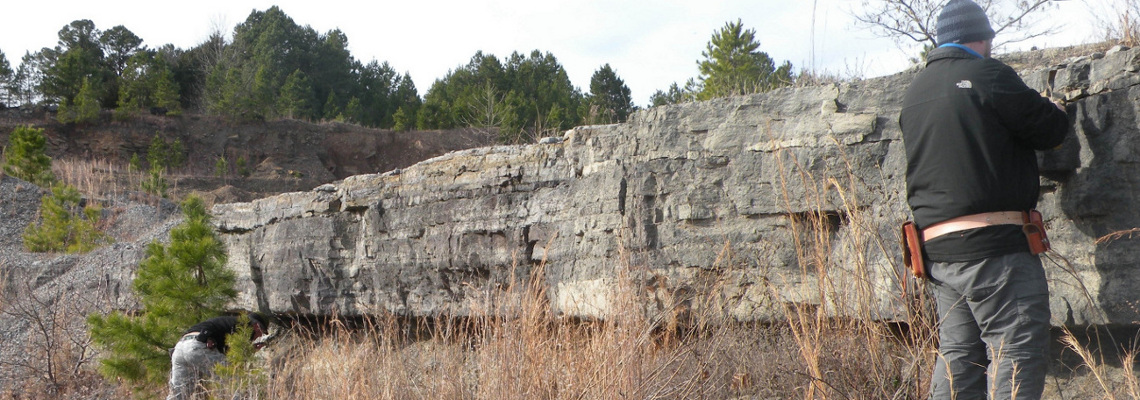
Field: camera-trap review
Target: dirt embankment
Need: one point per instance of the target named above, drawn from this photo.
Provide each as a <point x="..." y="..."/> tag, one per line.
<point x="262" y="158"/>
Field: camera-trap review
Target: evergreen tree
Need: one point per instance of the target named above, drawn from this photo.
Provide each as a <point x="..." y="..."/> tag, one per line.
<point x="403" y="120"/>
<point x="534" y="93"/>
<point x="353" y="111"/>
<point x="76" y="61"/>
<point x="610" y="98"/>
<point x="165" y="91"/>
<point x="407" y="98"/>
<point x="242" y="370"/>
<point x="25" y="156"/>
<point x="221" y="167"/>
<point x="86" y="106"/>
<point x="119" y="44"/>
<point x="296" y="101"/>
<point x="267" y="48"/>
<point x="157" y="154"/>
<point x="378" y="94"/>
<point x="155" y="182"/>
<point x="261" y="104"/>
<point x="242" y="167"/>
<point x="178" y="286"/>
<point x="334" y="72"/>
<point x="547" y="97"/>
<point x="674" y="96"/>
<point x="332" y="108"/>
<point x="175" y="154"/>
<point x="7" y="80"/>
<point x="134" y="90"/>
<point x="733" y="65"/>
<point x="29" y="77"/>
<point x="64" y="224"/>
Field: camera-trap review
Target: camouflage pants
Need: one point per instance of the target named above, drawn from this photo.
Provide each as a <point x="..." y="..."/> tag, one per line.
<point x="190" y="362"/>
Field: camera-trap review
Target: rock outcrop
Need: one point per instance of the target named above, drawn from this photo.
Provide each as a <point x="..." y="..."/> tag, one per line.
<point x="743" y="204"/>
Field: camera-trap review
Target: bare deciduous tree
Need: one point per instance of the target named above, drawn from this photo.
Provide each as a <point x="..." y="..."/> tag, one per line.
<point x="487" y="108"/>
<point x="57" y="347"/>
<point x="916" y="20"/>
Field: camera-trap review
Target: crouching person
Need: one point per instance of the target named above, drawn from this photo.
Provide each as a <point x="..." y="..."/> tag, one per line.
<point x="202" y="347"/>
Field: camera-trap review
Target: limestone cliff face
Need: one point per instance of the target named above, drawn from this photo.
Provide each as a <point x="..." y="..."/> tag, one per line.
<point x="742" y="204"/>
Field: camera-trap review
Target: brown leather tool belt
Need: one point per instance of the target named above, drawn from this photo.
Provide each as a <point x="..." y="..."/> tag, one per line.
<point x="973" y="221"/>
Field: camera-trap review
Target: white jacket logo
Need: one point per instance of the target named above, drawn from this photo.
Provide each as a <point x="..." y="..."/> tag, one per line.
<point x="965" y="84"/>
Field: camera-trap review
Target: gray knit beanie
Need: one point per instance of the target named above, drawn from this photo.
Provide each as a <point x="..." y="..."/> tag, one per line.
<point x="963" y="21"/>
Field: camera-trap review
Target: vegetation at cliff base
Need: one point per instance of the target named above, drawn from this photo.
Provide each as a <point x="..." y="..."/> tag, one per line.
<point x="178" y="285"/>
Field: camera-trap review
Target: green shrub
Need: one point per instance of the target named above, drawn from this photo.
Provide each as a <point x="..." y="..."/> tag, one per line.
<point x="157" y="155"/>
<point x="242" y="375"/>
<point x="64" y="225"/>
<point x="155" y="182"/>
<point x="243" y="168"/>
<point x="24" y="157"/>
<point x="134" y="165"/>
<point x="221" y="167"/>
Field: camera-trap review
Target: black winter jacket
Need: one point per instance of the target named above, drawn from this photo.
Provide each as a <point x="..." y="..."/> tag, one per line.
<point x="970" y="127"/>
<point x="217" y="328"/>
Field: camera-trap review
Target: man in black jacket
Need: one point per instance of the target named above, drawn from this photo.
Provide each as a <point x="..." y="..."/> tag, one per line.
<point x="203" y="346"/>
<point x="970" y="127"/>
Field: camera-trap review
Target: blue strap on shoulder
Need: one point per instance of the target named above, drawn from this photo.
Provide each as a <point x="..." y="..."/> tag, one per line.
<point x="968" y="50"/>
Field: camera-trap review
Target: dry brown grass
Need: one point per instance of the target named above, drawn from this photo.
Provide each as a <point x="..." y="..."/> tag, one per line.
<point x="1122" y="21"/>
<point x="99" y="178"/>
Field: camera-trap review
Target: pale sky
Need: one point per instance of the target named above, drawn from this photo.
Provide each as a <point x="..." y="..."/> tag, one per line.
<point x="649" y="44"/>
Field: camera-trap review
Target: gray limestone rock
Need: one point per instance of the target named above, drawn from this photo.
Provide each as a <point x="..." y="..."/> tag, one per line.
<point x="740" y="205"/>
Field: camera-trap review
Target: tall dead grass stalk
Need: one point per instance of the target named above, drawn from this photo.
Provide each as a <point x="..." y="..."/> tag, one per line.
<point x="836" y="224"/>
<point x="98" y="177"/>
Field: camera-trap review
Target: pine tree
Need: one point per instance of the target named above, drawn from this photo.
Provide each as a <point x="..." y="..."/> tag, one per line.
<point x="674" y="96"/>
<point x="178" y="286"/>
<point x="24" y="156"/>
<point x="165" y="92"/>
<point x="64" y="224"/>
<point x="296" y="97"/>
<point x="175" y="154"/>
<point x="221" y="167"/>
<point x="609" y="96"/>
<point x="85" y="109"/>
<point x="156" y="154"/>
<point x="734" y="65"/>
<point x="7" y="79"/>
<point x="155" y="182"/>
<point x="352" y="111"/>
<point x="242" y="370"/>
<point x="134" y="164"/>
<point x="403" y="120"/>
<point x="332" y="107"/>
<point x="133" y="89"/>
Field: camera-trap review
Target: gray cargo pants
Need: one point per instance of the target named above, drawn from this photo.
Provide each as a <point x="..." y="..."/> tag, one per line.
<point x="190" y="362"/>
<point x="991" y="310"/>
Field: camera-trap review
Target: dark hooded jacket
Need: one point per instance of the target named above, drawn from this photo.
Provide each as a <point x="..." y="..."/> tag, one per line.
<point x="970" y="126"/>
<point x="215" y="329"/>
